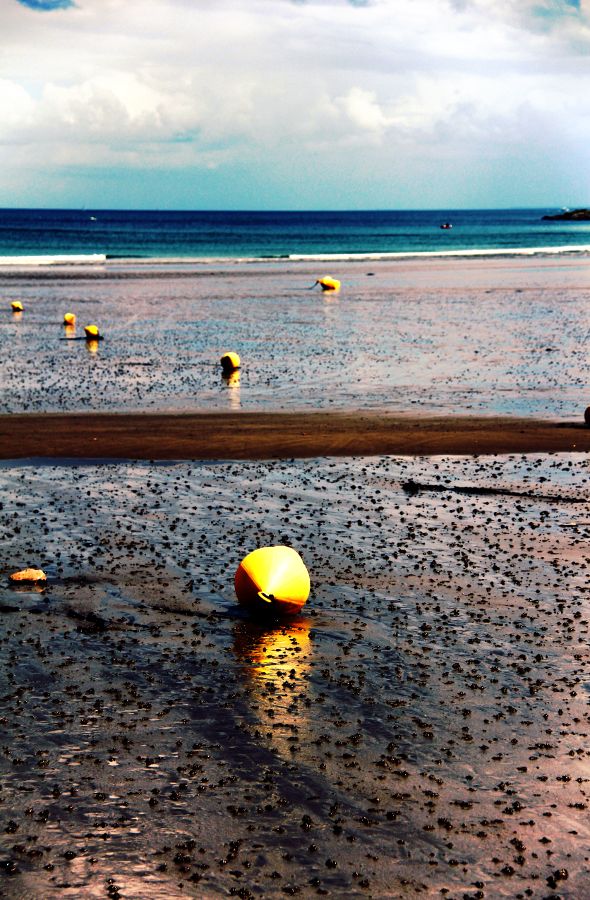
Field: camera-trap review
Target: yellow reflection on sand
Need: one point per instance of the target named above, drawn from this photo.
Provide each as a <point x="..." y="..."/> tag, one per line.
<point x="69" y="330"/>
<point x="275" y="661"/>
<point x="92" y="346"/>
<point x="232" y="381"/>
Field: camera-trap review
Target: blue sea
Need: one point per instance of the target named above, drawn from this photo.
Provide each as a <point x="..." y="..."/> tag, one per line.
<point x="201" y="236"/>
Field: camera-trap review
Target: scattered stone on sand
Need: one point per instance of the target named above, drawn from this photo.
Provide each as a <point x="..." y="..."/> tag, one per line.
<point x="420" y="730"/>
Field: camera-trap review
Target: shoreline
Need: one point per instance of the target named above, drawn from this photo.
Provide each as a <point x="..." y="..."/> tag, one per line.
<point x="459" y="262"/>
<point x="112" y="261"/>
<point x="278" y="435"/>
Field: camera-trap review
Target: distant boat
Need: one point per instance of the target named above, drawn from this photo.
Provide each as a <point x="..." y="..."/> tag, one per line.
<point x="445" y="226"/>
<point x="93" y="218"/>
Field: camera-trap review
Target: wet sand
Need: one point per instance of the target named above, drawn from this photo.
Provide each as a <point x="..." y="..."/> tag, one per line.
<point x="421" y="730"/>
<point x="277" y="435"/>
<point x="439" y="337"/>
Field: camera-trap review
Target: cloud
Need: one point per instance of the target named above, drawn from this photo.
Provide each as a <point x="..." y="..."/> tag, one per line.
<point x="174" y="85"/>
<point x="363" y="110"/>
<point x="47" y="5"/>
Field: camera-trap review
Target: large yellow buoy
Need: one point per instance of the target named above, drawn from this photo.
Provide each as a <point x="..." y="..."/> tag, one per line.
<point x="16" y="306"/>
<point x="272" y="580"/>
<point x="229" y="362"/>
<point x="92" y="333"/>
<point x="328" y="283"/>
<point x="70" y="319"/>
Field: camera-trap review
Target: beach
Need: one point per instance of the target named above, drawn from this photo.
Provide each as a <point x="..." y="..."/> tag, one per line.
<point x="421" y="728"/>
<point x="503" y="336"/>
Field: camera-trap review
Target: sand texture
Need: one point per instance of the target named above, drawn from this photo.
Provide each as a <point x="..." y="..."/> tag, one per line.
<point x="276" y="435"/>
<point x="485" y="337"/>
<point x="421" y="730"/>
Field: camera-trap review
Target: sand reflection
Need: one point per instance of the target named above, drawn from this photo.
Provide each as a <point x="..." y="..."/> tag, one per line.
<point x="276" y="660"/>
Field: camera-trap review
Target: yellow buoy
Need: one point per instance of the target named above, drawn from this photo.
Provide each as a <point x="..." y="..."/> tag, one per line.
<point x="272" y="580"/>
<point x="92" y="333"/>
<point x="328" y="283"/>
<point x="17" y="306"/>
<point x="230" y="362"/>
<point x="70" y="319"/>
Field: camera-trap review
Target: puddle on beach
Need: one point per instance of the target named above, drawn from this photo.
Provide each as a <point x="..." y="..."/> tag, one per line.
<point x="498" y="337"/>
<point x="420" y="730"/>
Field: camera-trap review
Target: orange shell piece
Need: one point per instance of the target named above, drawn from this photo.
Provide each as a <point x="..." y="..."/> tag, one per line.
<point x="29" y="575"/>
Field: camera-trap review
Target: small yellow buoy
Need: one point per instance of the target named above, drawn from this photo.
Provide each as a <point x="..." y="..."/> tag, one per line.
<point x="328" y="283"/>
<point x="92" y="333"/>
<point x="272" y="580"/>
<point x="230" y="362"/>
<point x="70" y="319"/>
<point x="17" y="306"/>
<point x="33" y="575"/>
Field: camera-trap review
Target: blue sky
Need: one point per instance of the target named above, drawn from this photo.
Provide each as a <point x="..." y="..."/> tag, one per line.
<point x="294" y="104"/>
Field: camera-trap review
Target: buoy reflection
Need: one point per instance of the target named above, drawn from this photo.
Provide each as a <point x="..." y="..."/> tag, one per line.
<point x="275" y="662"/>
<point x="92" y="345"/>
<point x="232" y="381"/>
<point x="69" y="330"/>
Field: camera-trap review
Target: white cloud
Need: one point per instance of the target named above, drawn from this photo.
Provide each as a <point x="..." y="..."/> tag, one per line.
<point x="185" y="83"/>
<point x="363" y="110"/>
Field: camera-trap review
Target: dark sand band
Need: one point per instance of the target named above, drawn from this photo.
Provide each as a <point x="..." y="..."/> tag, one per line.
<point x="253" y="435"/>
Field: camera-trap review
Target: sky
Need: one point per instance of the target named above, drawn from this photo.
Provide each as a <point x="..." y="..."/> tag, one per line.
<point x="294" y="104"/>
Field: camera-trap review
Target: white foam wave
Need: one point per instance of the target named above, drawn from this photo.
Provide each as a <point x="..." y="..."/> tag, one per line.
<point x="422" y="254"/>
<point x="346" y="257"/>
<point x="81" y="259"/>
<point x="182" y="262"/>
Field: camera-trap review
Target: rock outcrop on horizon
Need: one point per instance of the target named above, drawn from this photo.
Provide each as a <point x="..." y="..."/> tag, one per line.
<point x="575" y="215"/>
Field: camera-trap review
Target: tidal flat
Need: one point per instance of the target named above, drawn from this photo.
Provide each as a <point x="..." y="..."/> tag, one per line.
<point x="505" y="337"/>
<point x="420" y="730"/>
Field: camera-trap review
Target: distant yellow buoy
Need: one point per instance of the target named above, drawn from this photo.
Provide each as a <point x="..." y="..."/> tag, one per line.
<point x="328" y="283"/>
<point x="70" y="319"/>
<point x="272" y="580"/>
<point x="92" y="333"/>
<point x="230" y="362"/>
<point x="16" y="306"/>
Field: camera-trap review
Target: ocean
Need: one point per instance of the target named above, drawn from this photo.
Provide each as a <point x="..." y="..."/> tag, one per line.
<point x="209" y="236"/>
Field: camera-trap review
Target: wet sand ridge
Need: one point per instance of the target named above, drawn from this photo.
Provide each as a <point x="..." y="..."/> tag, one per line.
<point x="276" y="435"/>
